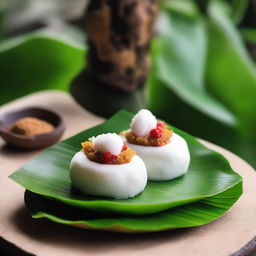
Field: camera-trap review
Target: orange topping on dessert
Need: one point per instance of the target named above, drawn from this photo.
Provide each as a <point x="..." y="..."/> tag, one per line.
<point x="124" y="157"/>
<point x="159" y="136"/>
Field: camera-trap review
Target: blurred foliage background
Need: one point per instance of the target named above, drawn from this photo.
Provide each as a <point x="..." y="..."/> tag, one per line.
<point x="203" y="76"/>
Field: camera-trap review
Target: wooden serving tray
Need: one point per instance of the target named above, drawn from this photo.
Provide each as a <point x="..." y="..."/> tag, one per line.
<point x="233" y="233"/>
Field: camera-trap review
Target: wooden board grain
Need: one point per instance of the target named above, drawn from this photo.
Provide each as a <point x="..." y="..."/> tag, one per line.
<point x="225" y="236"/>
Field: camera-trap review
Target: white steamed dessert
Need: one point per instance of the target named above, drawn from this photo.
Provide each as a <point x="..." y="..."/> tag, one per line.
<point x="165" y="162"/>
<point x="110" y="142"/>
<point x="143" y="123"/>
<point x="108" y="167"/>
<point x="166" y="154"/>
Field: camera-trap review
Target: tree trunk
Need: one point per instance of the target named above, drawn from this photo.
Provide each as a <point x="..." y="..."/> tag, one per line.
<point x="119" y="34"/>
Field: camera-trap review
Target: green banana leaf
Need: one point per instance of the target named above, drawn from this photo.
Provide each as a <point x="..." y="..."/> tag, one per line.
<point x="232" y="79"/>
<point x="1" y="21"/>
<point x="238" y="9"/>
<point x="186" y="8"/>
<point x="230" y="72"/>
<point x="191" y="8"/>
<point x="249" y="35"/>
<point x="38" y="61"/>
<point x="212" y="85"/>
<point x="189" y="215"/>
<point x="48" y="175"/>
<point x="180" y="56"/>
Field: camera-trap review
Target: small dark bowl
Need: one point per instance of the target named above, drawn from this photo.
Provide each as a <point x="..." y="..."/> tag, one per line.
<point x="31" y="142"/>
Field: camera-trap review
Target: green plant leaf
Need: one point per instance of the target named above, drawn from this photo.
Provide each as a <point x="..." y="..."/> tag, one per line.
<point x="48" y="175"/>
<point x="238" y="9"/>
<point x="187" y="8"/>
<point x="171" y="102"/>
<point x="38" y="61"/>
<point x="230" y="72"/>
<point x="189" y="215"/>
<point x="180" y="53"/>
<point x="165" y="104"/>
<point x="1" y="21"/>
<point x="249" y="35"/>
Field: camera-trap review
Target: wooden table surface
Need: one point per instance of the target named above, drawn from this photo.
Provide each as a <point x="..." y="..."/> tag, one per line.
<point x="225" y="236"/>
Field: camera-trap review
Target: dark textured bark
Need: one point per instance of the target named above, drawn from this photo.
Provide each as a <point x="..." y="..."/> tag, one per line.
<point x="119" y="34"/>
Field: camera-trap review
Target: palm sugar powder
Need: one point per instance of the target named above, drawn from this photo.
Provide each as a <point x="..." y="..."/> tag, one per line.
<point x="30" y="126"/>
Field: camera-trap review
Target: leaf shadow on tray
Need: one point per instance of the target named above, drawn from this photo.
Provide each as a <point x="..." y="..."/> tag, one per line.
<point x="56" y="234"/>
<point x="7" y="150"/>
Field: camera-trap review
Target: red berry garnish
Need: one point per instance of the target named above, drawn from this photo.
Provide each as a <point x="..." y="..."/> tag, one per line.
<point x="107" y="157"/>
<point x="155" y="133"/>
<point x="160" y="124"/>
<point x="124" y="147"/>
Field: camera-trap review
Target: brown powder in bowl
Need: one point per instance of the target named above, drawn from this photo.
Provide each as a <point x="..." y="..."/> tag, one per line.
<point x="30" y="126"/>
